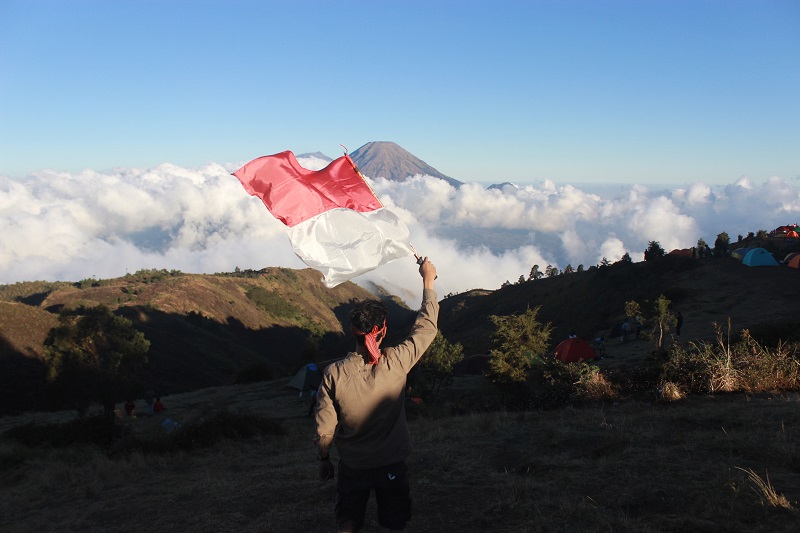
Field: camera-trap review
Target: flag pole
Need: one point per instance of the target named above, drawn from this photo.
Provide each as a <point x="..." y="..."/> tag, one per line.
<point x="363" y="178"/>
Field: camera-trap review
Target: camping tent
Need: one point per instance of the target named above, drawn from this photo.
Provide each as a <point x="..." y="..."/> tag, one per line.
<point x="794" y="262"/>
<point x="307" y="378"/>
<point x="574" y="349"/>
<point x="759" y="257"/>
<point x="789" y="257"/>
<point x="740" y="253"/>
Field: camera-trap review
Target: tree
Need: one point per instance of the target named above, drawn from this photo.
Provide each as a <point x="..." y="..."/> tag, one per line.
<point x="436" y="366"/>
<point x="535" y="274"/>
<point x="663" y="318"/>
<point x="701" y="243"/>
<point x="521" y="280"/>
<point x="93" y="355"/>
<point x="520" y="339"/>
<point x="568" y="269"/>
<point x="762" y="234"/>
<point x="633" y="309"/>
<point x="721" y="245"/>
<point x="604" y="262"/>
<point x="550" y="271"/>
<point x="625" y="259"/>
<point x="654" y="251"/>
<point x="580" y="268"/>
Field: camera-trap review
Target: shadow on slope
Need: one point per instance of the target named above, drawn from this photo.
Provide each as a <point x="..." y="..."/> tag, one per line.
<point x="22" y="379"/>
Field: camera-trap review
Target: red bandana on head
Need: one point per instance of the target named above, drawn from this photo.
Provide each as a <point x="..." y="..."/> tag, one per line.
<point x="371" y="341"/>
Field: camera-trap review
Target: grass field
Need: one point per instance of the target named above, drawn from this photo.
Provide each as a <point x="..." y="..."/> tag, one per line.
<point x="707" y="463"/>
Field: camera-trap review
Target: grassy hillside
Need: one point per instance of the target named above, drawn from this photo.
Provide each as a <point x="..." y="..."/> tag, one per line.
<point x="592" y="302"/>
<point x="631" y="463"/>
<point x="203" y="329"/>
<point x="706" y="464"/>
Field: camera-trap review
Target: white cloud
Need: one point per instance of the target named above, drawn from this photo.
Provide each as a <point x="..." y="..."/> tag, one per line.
<point x="60" y="226"/>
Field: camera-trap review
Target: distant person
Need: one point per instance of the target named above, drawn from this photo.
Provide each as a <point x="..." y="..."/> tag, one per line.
<point x="130" y="408"/>
<point x="626" y="330"/>
<point x="149" y="398"/>
<point x="638" y="326"/>
<point x="158" y="406"/>
<point x="678" y="324"/>
<point x="600" y="347"/>
<point x="361" y="408"/>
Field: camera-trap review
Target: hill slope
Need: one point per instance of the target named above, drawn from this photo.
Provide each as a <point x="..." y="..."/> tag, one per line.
<point x="203" y="329"/>
<point x="591" y="303"/>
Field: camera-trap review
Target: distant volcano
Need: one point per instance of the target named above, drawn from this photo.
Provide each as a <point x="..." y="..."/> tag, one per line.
<point x="388" y="160"/>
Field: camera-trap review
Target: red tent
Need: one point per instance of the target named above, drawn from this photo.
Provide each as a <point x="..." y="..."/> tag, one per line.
<point x="574" y="349"/>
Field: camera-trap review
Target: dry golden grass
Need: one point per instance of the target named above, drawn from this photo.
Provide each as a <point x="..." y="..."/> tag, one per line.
<point x="627" y="466"/>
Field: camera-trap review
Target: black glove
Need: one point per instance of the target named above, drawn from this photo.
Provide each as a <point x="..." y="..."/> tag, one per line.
<point x="326" y="470"/>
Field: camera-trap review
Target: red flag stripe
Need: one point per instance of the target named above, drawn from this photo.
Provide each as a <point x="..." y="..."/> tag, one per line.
<point x="294" y="194"/>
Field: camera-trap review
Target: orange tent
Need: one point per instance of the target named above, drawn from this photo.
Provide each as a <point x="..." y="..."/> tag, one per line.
<point x="574" y="349"/>
<point x="794" y="262"/>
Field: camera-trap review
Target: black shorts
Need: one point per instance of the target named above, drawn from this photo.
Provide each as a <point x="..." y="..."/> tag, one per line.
<point x="392" y="495"/>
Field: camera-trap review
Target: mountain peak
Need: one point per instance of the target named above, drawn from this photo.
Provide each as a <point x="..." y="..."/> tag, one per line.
<point x="385" y="159"/>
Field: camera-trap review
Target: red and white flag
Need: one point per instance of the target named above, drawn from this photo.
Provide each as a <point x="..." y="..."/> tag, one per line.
<point x="335" y="222"/>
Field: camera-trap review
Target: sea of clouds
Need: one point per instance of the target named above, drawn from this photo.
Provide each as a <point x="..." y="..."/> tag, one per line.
<point x="63" y="226"/>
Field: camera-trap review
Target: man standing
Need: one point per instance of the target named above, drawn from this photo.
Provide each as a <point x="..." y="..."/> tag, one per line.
<point x="361" y="399"/>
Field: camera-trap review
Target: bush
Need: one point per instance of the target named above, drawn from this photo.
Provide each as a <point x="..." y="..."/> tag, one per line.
<point x="744" y="366"/>
<point x="521" y="341"/>
<point x="556" y="384"/>
<point x="273" y="303"/>
<point x="436" y="366"/>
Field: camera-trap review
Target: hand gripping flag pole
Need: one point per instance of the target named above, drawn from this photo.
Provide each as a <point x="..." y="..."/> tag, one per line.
<point x="334" y="220"/>
<point x="417" y="257"/>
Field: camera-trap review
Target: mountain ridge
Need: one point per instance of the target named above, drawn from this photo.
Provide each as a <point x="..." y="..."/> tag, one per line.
<point x="386" y="159"/>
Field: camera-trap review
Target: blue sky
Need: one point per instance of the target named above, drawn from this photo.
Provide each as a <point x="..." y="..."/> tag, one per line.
<point x="649" y="92"/>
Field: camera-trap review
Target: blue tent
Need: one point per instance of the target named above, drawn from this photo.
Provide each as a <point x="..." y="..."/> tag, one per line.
<point x="307" y="378"/>
<point x="759" y="257"/>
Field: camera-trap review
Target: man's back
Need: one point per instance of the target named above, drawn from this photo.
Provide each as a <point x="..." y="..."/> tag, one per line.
<point x="367" y="400"/>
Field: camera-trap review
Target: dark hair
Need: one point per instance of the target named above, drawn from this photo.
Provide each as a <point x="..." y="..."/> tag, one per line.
<point x="366" y="315"/>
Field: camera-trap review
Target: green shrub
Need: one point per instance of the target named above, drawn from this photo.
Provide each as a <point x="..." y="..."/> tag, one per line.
<point x="273" y="303"/>
<point x="436" y="366"/>
<point x="521" y="340"/>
